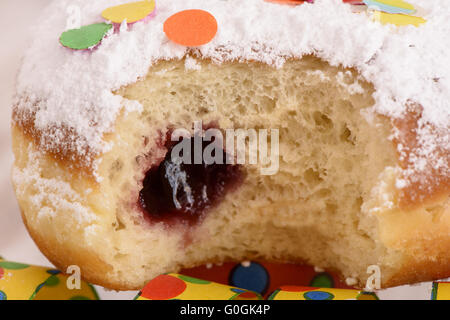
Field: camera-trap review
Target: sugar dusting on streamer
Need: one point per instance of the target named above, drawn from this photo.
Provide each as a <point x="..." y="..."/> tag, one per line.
<point x="74" y="89"/>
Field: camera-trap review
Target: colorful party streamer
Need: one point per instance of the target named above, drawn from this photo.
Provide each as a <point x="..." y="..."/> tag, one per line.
<point x="20" y="281"/>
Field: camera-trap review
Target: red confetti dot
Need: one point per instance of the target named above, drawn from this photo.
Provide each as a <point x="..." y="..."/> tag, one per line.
<point x="248" y="295"/>
<point x="2" y="272"/>
<point x="296" y="288"/>
<point x="163" y="287"/>
<point x="289" y="2"/>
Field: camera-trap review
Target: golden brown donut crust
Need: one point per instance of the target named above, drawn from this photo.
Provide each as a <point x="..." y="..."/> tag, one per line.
<point x="419" y="257"/>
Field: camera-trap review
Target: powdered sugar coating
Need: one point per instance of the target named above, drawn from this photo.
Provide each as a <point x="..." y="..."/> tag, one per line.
<point x="74" y="89"/>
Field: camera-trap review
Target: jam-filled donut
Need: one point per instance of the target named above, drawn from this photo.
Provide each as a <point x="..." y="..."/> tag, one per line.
<point x="354" y="115"/>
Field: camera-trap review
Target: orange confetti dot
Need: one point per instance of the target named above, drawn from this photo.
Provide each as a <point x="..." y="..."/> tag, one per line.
<point x="191" y="28"/>
<point x="164" y="287"/>
<point x="289" y="2"/>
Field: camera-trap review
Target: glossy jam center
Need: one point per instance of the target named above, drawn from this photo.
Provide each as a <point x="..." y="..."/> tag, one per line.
<point x="181" y="191"/>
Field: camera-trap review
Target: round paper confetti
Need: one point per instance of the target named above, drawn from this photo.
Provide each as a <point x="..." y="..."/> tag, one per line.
<point x="322" y="280"/>
<point x="164" y="287"/>
<point x="53" y="272"/>
<point x="289" y="2"/>
<point x="191" y="28"/>
<point x="131" y="12"/>
<point x="85" y="37"/>
<point x="355" y="2"/>
<point x="13" y="265"/>
<point x="254" y="277"/>
<point x="391" y="6"/>
<point x="53" y="281"/>
<point x="318" y="295"/>
<point x="2" y="272"/>
<point x="397" y="19"/>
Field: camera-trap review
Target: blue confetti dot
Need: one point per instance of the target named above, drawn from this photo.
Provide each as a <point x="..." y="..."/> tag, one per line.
<point x="236" y="290"/>
<point x="254" y="277"/>
<point x="53" y="272"/>
<point x="318" y="295"/>
<point x="2" y="295"/>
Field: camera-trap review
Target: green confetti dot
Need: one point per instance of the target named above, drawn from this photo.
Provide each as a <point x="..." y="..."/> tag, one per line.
<point x="53" y="281"/>
<point x="86" y="37"/>
<point x="13" y="265"/>
<point x="322" y="280"/>
<point x="274" y="294"/>
<point x="193" y="280"/>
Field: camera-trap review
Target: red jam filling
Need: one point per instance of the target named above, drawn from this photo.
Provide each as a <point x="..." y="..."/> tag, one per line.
<point x="178" y="192"/>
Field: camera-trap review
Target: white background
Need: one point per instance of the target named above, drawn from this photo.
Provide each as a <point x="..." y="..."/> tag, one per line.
<point x="17" y="17"/>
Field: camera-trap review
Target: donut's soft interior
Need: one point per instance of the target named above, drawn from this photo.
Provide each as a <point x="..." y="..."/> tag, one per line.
<point x="311" y="210"/>
<point x="333" y="157"/>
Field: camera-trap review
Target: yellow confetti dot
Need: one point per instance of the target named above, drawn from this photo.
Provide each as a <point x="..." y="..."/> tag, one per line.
<point x="397" y="19"/>
<point x="132" y="12"/>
